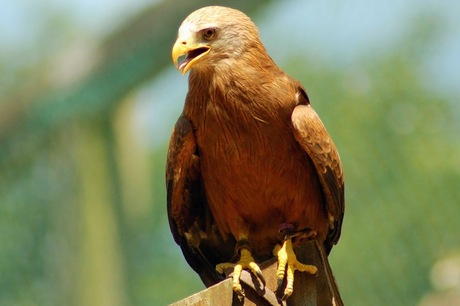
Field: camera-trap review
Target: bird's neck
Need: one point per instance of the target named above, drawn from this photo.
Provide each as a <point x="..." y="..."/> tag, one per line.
<point x="248" y="70"/>
<point x="232" y="81"/>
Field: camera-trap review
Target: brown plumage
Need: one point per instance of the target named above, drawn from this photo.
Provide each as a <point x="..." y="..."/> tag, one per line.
<point x="249" y="154"/>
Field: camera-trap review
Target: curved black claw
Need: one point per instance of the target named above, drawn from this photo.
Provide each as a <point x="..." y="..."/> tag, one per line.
<point x="261" y="277"/>
<point x="280" y="283"/>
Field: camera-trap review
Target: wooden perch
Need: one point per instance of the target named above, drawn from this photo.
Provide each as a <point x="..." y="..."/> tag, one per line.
<point x="309" y="290"/>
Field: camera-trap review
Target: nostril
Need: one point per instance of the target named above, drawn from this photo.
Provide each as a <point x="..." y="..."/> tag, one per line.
<point x="184" y="43"/>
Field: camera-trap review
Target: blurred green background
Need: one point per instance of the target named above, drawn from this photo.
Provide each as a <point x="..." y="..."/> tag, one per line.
<point x="89" y="95"/>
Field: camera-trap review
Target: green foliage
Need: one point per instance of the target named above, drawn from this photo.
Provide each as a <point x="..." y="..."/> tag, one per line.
<point x="83" y="207"/>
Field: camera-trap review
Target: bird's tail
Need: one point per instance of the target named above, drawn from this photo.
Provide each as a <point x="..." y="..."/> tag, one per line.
<point x="327" y="292"/>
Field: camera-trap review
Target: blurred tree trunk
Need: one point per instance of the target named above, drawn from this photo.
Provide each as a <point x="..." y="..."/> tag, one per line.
<point x="101" y="269"/>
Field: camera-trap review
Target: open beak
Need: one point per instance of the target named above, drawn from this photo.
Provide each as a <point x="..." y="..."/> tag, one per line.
<point x="192" y="52"/>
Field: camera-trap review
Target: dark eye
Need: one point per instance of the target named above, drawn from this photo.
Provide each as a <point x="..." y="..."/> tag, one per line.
<point x="209" y="33"/>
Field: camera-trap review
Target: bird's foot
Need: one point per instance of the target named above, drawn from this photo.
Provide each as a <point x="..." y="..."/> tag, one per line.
<point x="246" y="262"/>
<point x="287" y="258"/>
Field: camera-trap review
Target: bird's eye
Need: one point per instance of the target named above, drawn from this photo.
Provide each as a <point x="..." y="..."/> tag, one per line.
<point x="209" y="33"/>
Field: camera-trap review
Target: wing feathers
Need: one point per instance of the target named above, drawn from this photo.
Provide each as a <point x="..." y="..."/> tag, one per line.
<point x="190" y="219"/>
<point x="311" y="134"/>
<point x="181" y="173"/>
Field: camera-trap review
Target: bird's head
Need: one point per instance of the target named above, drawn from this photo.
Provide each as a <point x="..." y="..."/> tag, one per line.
<point x="211" y="34"/>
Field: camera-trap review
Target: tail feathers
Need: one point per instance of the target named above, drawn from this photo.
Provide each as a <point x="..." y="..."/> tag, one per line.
<point x="327" y="292"/>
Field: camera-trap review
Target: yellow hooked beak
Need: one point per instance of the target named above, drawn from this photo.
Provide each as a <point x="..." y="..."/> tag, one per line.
<point x="191" y="50"/>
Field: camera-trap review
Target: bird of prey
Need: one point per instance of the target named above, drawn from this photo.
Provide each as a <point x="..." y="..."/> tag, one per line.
<point x="251" y="170"/>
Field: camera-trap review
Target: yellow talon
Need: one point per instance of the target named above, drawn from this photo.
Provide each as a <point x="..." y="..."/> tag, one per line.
<point x="246" y="262"/>
<point x="286" y="256"/>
